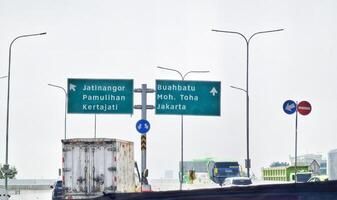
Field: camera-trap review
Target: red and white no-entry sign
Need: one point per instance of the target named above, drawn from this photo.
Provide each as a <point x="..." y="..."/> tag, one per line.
<point x="304" y="108"/>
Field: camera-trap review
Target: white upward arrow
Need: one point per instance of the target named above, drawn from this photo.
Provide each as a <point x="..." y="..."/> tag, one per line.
<point x="72" y="87"/>
<point x="289" y="107"/>
<point x="213" y="91"/>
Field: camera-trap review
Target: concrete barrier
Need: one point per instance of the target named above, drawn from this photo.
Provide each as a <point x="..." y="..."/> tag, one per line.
<point x="28" y="184"/>
<point x="300" y="191"/>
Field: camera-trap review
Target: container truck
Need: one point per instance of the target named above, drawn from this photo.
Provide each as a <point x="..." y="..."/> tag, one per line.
<point x="94" y="166"/>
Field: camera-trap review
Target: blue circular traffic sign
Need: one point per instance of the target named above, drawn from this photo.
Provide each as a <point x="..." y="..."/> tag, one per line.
<point x="143" y="126"/>
<point x="289" y="107"/>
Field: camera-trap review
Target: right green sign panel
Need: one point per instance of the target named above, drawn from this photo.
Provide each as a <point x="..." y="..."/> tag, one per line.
<point x="188" y="97"/>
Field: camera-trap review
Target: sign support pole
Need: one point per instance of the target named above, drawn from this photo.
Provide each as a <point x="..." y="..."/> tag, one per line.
<point x="144" y="90"/>
<point x="143" y="137"/>
<point x="304" y="108"/>
<point x="296" y="143"/>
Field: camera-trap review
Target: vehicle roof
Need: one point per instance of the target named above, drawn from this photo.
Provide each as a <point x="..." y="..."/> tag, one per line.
<point x="321" y="177"/>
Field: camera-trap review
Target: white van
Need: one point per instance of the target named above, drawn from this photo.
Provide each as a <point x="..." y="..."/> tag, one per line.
<point x="4" y="194"/>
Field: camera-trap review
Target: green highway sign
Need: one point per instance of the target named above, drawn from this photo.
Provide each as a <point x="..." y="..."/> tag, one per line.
<point x="104" y="96"/>
<point x="188" y="97"/>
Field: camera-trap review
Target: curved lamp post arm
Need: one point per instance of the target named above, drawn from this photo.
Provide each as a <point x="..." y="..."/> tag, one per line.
<point x="3" y="77"/>
<point x="170" y="69"/>
<point x="261" y="32"/>
<point x="181" y="75"/>
<point x="194" y="72"/>
<point x="234" y="32"/>
<point x="64" y="90"/>
<point x="238" y="88"/>
<point x="21" y="36"/>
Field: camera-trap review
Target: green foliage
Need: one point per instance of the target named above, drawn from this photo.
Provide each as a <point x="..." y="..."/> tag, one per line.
<point x="12" y="172"/>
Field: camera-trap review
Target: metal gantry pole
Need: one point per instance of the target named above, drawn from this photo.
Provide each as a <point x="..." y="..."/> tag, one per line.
<point x="181" y="173"/>
<point x="247" y="162"/>
<point x="6" y="166"/>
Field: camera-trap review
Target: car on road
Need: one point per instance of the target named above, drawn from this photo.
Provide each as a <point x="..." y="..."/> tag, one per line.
<point x="318" y="178"/>
<point x="57" y="193"/>
<point x="4" y="194"/>
<point x="237" y="181"/>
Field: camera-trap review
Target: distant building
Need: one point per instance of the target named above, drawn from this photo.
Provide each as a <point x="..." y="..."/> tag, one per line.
<point x="332" y="164"/>
<point x="196" y="165"/>
<point x="308" y="159"/>
<point x="281" y="173"/>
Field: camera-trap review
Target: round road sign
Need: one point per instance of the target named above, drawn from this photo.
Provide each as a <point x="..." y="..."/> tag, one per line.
<point x="304" y="108"/>
<point x="143" y="126"/>
<point x="289" y="107"/>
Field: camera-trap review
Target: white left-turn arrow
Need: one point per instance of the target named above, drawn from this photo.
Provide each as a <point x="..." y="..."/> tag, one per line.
<point x="72" y="87"/>
<point x="289" y="107"/>
<point x="213" y="91"/>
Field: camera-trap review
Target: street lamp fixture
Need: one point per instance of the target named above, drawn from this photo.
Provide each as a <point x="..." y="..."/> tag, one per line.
<point x="6" y="166"/>
<point x="247" y="40"/>
<point x="182" y="122"/>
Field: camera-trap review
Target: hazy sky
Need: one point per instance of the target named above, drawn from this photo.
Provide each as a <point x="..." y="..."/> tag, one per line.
<point x="128" y="39"/>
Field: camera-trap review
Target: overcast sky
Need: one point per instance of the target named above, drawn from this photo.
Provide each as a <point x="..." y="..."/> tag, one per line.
<point x="128" y="39"/>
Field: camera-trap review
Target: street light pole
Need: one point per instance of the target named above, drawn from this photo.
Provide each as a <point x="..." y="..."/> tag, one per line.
<point x="6" y="166"/>
<point x="181" y="122"/>
<point x="247" y="163"/>
<point x="65" y="107"/>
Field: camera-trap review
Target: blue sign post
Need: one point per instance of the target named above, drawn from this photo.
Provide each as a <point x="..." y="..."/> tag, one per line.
<point x="143" y="126"/>
<point x="289" y="107"/>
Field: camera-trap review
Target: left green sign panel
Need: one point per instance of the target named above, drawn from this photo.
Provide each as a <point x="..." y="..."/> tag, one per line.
<point x="105" y="96"/>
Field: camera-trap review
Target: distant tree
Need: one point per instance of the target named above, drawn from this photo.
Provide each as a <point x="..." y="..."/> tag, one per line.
<point x="279" y="164"/>
<point x="12" y="172"/>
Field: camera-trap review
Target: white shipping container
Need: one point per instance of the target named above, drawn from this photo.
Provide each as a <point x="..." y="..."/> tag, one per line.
<point x="93" y="166"/>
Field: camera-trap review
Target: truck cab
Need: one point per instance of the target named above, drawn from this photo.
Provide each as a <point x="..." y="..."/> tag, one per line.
<point x="302" y="177"/>
<point x="219" y="171"/>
